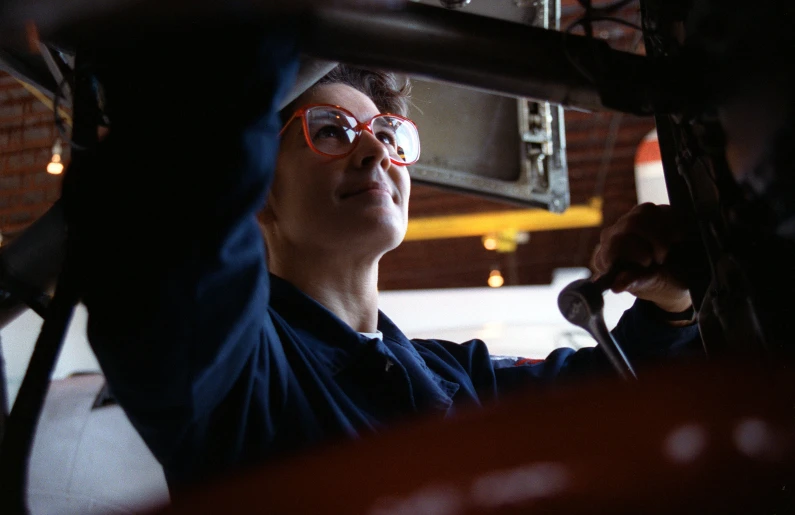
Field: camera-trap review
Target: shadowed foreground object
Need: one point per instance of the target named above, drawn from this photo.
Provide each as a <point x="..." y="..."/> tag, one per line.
<point x="717" y="439"/>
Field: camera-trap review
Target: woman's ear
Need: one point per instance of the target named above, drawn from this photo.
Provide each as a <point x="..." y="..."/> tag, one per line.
<point x="265" y="217"/>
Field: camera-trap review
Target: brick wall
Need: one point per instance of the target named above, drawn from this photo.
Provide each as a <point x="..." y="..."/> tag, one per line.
<point x="27" y="132"/>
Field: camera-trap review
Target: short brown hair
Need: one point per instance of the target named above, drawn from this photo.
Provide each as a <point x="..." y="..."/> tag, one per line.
<point x="389" y="91"/>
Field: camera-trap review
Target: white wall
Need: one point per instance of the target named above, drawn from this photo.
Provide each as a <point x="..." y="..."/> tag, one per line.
<point x="516" y="321"/>
<point x="513" y="321"/>
<point x="19" y="338"/>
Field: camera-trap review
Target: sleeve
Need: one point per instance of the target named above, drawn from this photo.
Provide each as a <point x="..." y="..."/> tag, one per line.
<point x="162" y="218"/>
<point x="645" y="340"/>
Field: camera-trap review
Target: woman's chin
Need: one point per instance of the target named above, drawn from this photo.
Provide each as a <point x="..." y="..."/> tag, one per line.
<point x="383" y="231"/>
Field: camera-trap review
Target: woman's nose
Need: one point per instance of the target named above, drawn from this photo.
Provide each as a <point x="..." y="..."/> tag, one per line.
<point x="370" y="149"/>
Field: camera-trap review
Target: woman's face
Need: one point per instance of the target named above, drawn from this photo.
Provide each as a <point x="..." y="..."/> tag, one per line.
<point x="357" y="203"/>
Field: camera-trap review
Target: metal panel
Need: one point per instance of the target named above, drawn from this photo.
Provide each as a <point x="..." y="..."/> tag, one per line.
<point x="502" y="147"/>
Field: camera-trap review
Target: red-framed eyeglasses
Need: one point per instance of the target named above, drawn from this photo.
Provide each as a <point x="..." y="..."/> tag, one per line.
<point x="333" y="131"/>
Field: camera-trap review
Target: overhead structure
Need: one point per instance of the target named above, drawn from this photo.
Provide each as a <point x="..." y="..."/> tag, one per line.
<point x="504" y="147"/>
<point x="526" y="220"/>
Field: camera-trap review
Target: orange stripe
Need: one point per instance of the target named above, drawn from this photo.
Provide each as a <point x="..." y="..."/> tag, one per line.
<point x="527" y="361"/>
<point x="648" y="152"/>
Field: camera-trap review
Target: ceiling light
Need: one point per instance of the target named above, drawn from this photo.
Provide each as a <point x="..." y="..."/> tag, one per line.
<point x="495" y="279"/>
<point x="505" y="240"/>
<point x="55" y="166"/>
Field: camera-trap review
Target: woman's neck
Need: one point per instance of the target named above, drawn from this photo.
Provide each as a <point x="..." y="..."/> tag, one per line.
<point x="346" y="286"/>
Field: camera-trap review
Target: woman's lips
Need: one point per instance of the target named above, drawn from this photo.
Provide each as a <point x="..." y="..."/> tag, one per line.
<point x="372" y="189"/>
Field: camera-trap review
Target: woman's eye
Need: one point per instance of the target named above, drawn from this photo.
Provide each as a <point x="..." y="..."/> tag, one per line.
<point x="331" y="131"/>
<point x="387" y="138"/>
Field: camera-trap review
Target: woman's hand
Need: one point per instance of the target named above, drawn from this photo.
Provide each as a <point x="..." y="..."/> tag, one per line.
<point x="641" y="241"/>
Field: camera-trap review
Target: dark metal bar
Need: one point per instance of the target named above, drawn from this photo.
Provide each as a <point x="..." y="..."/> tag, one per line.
<point x="612" y="349"/>
<point x="30" y="264"/>
<point x="657" y="13"/>
<point x="493" y="55"/>
<point x="29" y="68"/>
<point x="58" y="69"/>
<point x="484" y="53"/>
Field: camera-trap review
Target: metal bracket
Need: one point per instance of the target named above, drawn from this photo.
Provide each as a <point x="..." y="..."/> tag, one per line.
<point x="459" y="159"/>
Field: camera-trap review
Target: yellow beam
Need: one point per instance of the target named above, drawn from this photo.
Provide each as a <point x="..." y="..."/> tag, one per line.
<point x="526" y="220"/>
<point x="44" y="99"/>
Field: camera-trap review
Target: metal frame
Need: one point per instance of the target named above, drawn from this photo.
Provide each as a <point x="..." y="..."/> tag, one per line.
<point x="543" y="136"/>
<point x="28" y="68"/>
<point x="495" y="56"/>
<point x="57" y="64"/>
<point x="543" y="173"/>
<point x="725" y="283"/>
<point x="500" y="56"/>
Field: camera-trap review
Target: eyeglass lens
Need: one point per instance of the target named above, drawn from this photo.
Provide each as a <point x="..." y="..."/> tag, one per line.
<point x="332" y="131"/>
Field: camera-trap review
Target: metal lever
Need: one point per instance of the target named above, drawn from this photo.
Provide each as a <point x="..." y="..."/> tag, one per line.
<point x="582" y="304"/>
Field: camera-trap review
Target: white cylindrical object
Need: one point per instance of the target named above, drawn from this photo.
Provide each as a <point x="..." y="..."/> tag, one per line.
<point x="649" y="176"/>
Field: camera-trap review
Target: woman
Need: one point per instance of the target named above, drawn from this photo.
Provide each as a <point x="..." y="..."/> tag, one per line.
<point x="230" y="366"/>
<point x="349" y="209"/>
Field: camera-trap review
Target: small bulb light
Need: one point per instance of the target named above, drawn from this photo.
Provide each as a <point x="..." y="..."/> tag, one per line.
<point x="55" y="167"/>
<point x="490" y="242"/>
<point x="495" y="279"/>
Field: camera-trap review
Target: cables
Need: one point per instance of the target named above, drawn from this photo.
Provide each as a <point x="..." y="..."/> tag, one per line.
<point x="586" y="23"/>
<point x="593" y="14"/>
<point x="59" y="122"/>
<point x="603" y="9"/>
<point x="101" y="119"/>
<point x="603" y="13"/>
